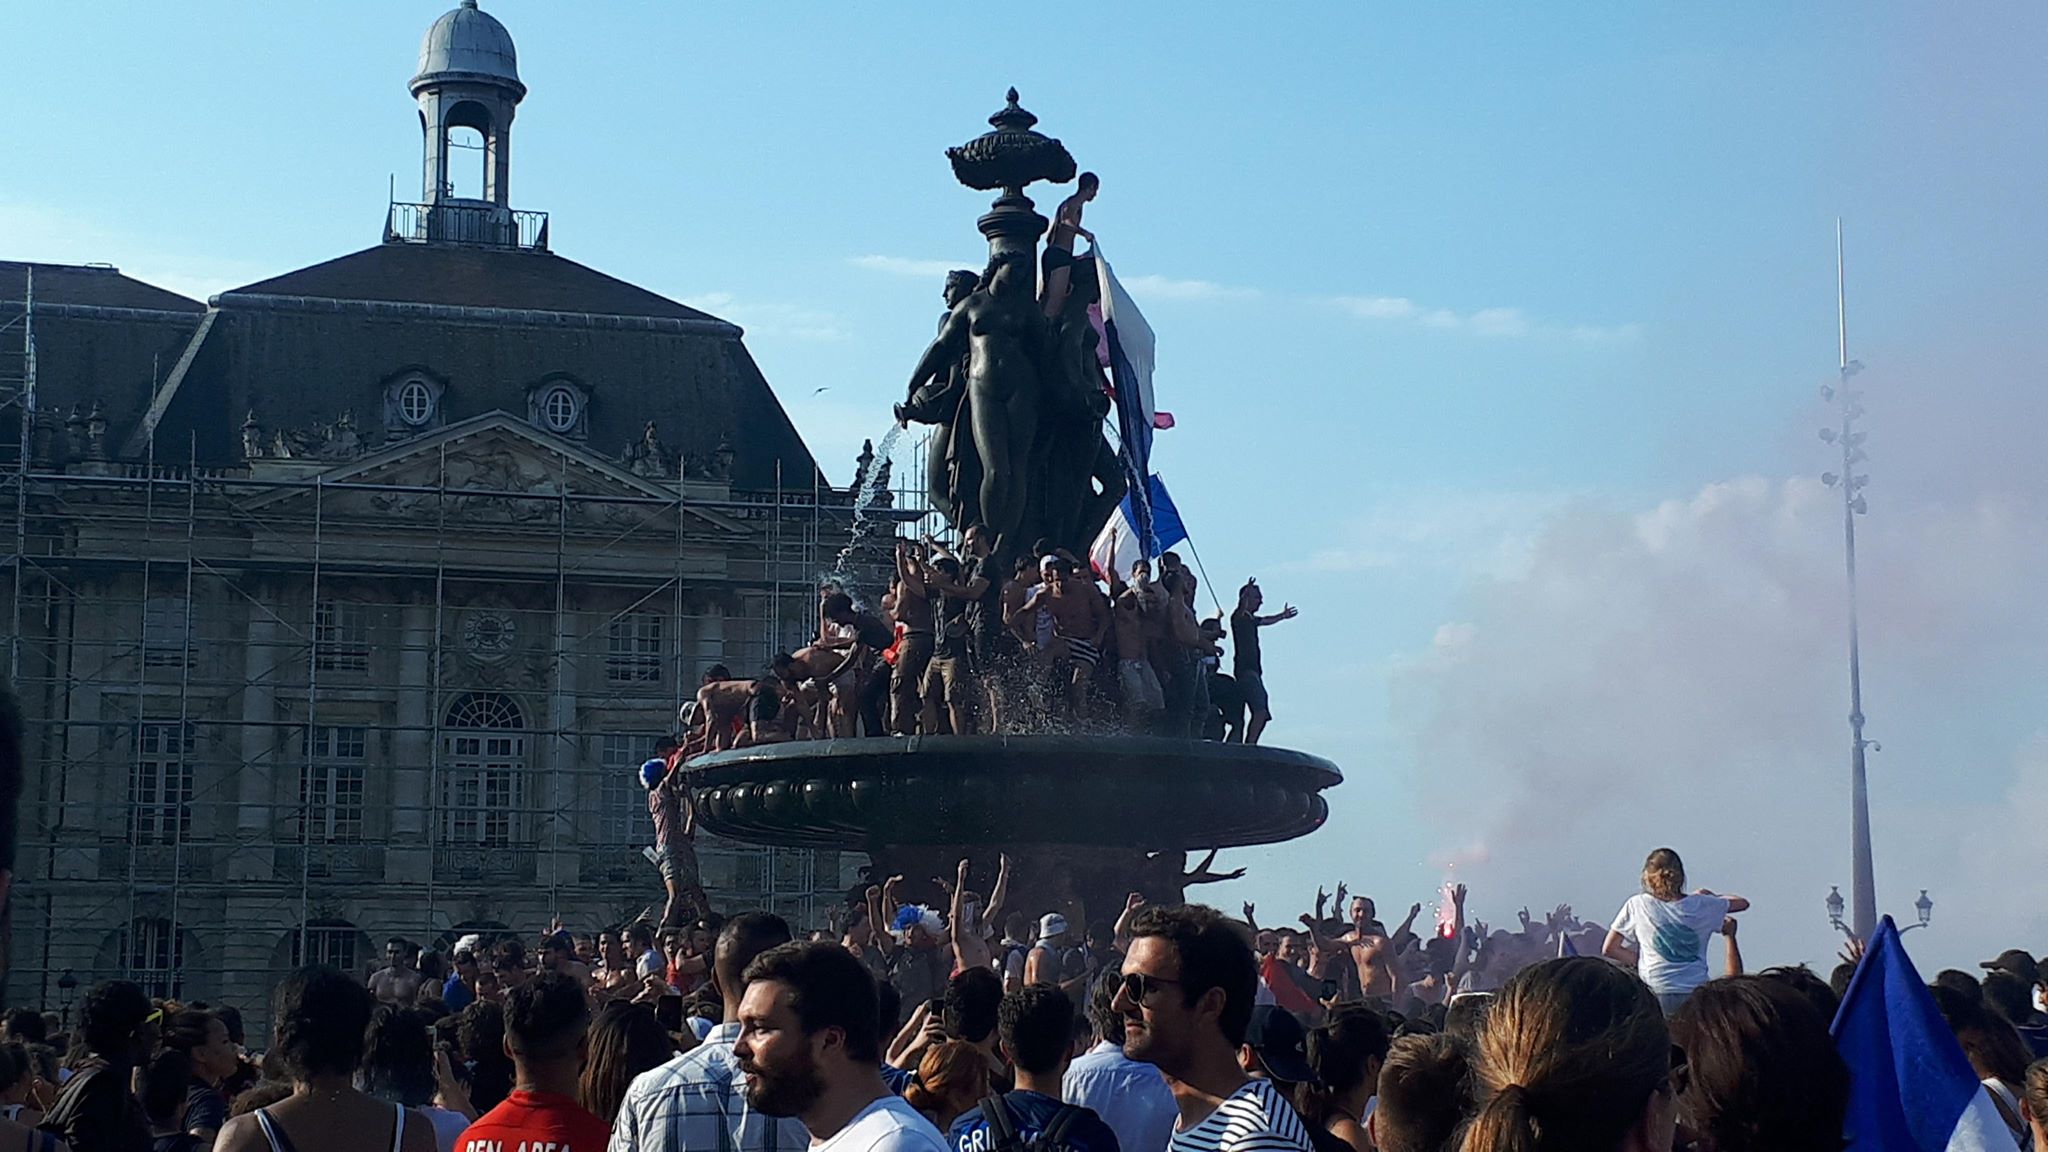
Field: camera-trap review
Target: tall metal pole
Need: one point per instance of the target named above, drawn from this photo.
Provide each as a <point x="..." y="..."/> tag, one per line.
<point x="1863" y="887"/>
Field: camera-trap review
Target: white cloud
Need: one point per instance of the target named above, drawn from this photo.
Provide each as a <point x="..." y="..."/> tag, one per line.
<point x="1676" y="676"/>
<point x="1169" y="288"/>
<point x="1493" y="323"/>
<point x="904" y="266"/>
<point x="771" y="319"/>
<point x="1459" y="534"/>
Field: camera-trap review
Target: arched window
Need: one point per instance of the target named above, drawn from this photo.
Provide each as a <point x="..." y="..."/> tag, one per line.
<point x="486" y="760"/>
<point x="330" y="941"/>
<point x="154" y="956"/>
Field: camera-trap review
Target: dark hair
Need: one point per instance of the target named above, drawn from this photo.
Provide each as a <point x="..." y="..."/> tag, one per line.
<point x="318" y="1018"/>
<point x="1213" y="954"/>
<point x="640" y="931"/>
<point x="2036" y="1089"/>
<point x="1765" y="1075"/>
<point x="1341" y="1053"/>
<point x="1838" y="980"/>
<point x="1572" y="1050"/>
<point x="165" y="1081"/>
<point x="1465" y="1017"/>
<point x="1991" y="1044"/>
<point x="718" y="672"/>
<point x="971" y="1004"/>
<point x="829" y="988"/>
<point x="1424" y="1089"/>
<point x="545" y="1017"/>
<point x="187" y="1028"/>
<point x="742" y="938"/>
<point x="16" y="1064"/>
<point x="399" y="941"/>
<point x="1090" y="180"/>
<point x="26" y="1024"/>
<point x="1037" y="1023"/>
<point x="625" y="1040"/>
<point x="231" y="1016"/>
<point x="480" y="1029"/>
<point x="838" y="602"/>
<point x="2010" y="996"/>
<point x="1815" y="991"/>
<point x="112" y="1011"/>
<point x="398" y="1057"/>
<point x="1102" y="1013"/>
<point x="1959" y="982"/>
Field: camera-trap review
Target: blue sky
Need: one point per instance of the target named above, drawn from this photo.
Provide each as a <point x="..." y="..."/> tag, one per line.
<point x="1466" y="312"/>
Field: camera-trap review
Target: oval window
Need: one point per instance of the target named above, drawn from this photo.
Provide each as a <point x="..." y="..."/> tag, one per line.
<point x="415" y="402"/>
<point x="558" y="408"/>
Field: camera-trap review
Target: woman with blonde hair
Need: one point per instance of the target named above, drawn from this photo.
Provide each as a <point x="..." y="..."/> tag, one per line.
<point x="952" y="1077"/>
<point x="1575" y="1057"/>
<point x="1662" y="932"/>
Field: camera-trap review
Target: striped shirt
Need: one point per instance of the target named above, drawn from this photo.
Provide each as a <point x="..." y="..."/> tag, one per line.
<point x="697" y="1102"/>
<point x="1255" y="1118"/>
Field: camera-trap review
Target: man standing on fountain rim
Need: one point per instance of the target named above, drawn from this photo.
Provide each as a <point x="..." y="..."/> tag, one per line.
<point x="1058" y="262"/>
<point x="1186" y="995"/>
<point x="1245" y="662"/>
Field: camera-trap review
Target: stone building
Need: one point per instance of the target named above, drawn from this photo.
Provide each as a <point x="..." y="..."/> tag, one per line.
<point x="345" y="604"/>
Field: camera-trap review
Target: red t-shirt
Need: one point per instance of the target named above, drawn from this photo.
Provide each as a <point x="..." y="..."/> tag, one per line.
<point x="536" y="1122"/>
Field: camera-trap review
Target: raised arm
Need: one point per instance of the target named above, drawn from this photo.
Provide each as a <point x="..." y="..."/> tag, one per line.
<point x="1287" y="612"/>
<point x="1132" y="903"/>
<point x="998" y="896"/>
<point x="1734" y="949"/>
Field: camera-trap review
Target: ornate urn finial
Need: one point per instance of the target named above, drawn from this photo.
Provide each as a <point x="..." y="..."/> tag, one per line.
<point x="1012" y="155"/>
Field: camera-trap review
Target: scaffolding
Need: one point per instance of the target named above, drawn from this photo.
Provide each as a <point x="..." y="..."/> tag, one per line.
<point x="274" y="716"/>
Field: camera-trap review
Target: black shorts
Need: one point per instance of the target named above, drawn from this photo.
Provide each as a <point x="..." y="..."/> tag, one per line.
<point x="1055" y="258"/>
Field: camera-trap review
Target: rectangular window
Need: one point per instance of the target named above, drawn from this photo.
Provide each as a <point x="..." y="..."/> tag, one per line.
<point x="480" y="790"/>
<point x="160" y="784"/>
<point x="633" y="648"/>
<point x="622" y="803"/>
<point x="165" y="628"/>
<point x="331" y="785"/>
<point x="341" y="637"/>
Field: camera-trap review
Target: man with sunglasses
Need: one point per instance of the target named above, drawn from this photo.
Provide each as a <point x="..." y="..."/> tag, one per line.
<point x="1186" y="997"/>
<point x="97" y="1111"/>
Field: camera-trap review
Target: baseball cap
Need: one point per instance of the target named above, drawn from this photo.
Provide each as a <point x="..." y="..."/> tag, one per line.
<point x="1051" y="924"/>
<point x="1281" y="1042"/>
<point x="2017" y="962"/>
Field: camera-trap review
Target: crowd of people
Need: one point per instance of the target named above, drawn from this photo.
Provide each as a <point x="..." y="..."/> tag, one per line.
<point x="908" y="1029"/>
<point x="957" y="646"/>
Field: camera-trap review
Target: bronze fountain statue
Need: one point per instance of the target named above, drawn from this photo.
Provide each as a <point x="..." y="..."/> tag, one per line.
<point x="1015" y="392"/>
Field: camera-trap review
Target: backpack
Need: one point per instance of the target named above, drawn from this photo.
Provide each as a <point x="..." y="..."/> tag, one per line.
<point x="995" y="1111"/>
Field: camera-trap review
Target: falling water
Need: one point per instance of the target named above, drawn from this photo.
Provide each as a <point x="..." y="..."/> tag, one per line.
<point x="864" y="499"/>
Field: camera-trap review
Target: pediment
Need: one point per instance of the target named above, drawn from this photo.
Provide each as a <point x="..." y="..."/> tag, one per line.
<point x="492" y="467"/>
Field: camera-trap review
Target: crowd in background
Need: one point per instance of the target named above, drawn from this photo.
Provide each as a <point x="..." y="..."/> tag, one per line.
<point x="906" y="1027"/>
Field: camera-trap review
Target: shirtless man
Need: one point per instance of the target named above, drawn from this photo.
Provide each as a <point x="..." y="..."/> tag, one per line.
<point x="914" y="651"/>
<point x="1059" y="243"/>
<point x="1080" y="624"/>
<point x="803" y="677"/>
<point x="722" y="709"/>
<point x="970" y="920"/>
<point x="1143" y="698"/>
<point x="859" y="681"/>
<point x="398" y="982"/>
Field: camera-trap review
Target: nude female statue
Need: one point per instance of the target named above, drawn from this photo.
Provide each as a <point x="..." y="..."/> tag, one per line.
<point x="999" y="328"/>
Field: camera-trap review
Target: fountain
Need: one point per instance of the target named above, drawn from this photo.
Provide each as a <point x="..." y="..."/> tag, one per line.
<point x="1017" y="404"/>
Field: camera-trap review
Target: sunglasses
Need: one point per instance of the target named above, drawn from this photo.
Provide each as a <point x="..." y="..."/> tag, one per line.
<point x="1139" y="986"/>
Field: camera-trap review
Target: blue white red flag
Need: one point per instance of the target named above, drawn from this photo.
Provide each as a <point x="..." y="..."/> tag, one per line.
<point x="1117" y="545"/>
<point x="1911" y="1089"/>
<point x="1131" y="349"/>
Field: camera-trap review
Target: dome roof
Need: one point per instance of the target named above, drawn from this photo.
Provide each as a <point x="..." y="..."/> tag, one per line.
<point x="467" y="43"/>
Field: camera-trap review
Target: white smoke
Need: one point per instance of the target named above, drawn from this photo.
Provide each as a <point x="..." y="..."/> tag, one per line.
<point x="1677" y="676"/>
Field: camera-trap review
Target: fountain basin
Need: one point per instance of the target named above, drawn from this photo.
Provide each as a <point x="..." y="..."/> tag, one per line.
<point x="1099" y="791"/>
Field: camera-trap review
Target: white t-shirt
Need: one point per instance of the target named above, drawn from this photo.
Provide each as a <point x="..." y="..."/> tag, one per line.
<point x="889" y="1124"/>
<point x="1670" y="938"/>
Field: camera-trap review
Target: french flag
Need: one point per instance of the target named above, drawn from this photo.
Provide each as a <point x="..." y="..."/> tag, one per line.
<point x="1118" y="544"/>
<point x="1911" y="1089"/>
<point x="1129" y="341"/>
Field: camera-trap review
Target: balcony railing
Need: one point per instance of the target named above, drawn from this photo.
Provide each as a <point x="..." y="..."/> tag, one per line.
<point x="331" y="862"/>
<point x="466" y="222"/>
<point x="470" y="862"/>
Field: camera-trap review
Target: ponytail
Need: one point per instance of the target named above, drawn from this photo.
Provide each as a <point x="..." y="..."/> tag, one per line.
<point x="1505" y="1123"/>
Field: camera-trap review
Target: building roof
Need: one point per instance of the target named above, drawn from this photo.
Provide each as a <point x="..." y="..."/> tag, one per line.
<point x="88" y="285"/>
<point x="472" y="276"/>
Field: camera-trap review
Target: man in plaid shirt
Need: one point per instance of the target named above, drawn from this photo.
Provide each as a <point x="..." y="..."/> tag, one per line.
<point x="697" y="1102"/>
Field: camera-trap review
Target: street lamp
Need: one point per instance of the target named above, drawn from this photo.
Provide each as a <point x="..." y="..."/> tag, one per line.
<point x="1923" y="908"/>
<point x="67" y="987"/>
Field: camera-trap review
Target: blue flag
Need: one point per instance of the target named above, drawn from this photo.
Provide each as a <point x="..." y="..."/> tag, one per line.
<point x="1131" y="354"/>
<point x="1118" y="544"/>
<point x="1911" y="1089"/>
